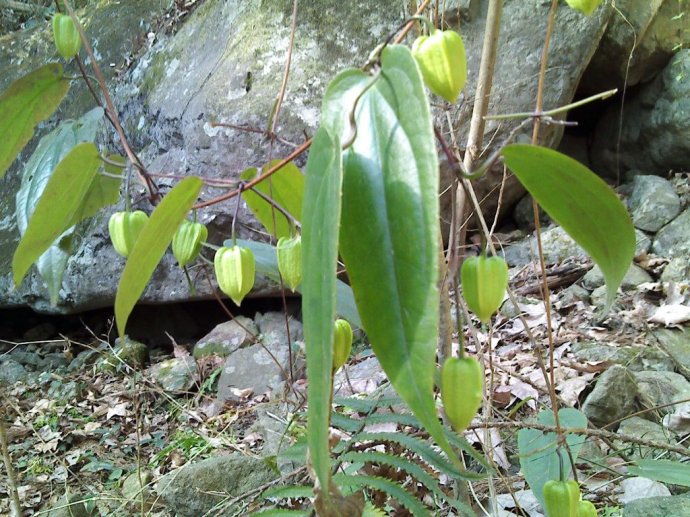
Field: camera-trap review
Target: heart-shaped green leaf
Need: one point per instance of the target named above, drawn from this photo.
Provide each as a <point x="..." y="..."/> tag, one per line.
<point x="539" y="458"/>
<point x="286" y="188"/>
<point x="389" y="236"/>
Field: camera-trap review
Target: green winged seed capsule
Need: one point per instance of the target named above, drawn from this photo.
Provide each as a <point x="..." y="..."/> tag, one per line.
<point x="289" y="253"/>
<point x="586" y="7"/>
<point x="235" y="268"/>
<point x="342" y="343"/>
<point x="561" y="498"/>
<point x="462" y="384"/>
<point x="586" y="509"/>
<point x="66" y="36"/>
<point x="442" y="61"/>
<point x="124" y="229"/>
<point x="187" y="241"/>
<point x="484" y="282"/>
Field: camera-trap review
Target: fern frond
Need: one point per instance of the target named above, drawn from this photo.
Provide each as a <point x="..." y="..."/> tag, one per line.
<point x="286" y="492"/>
<point x="367" y="405"/>
<point x="412" y="469"/>
<point x="393" y="490"/>
<point x="354" y="425"/>
<point x="371" y="511"/>
<point x="297" y="453"/>
<point x="420" y="447"/>
<point x="278" y="512"/>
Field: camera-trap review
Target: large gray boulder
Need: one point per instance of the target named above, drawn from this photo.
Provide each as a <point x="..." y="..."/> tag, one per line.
<point x="639" y="40"/>
<point x="658" y="506"/>
<point x="655" y="131"/>
<point x="614" y="397"/>
<point x="653" y="202"/>
<point x="673" y="240"/>
<point x="225" y="64"/>
<point x="210" y="485"/>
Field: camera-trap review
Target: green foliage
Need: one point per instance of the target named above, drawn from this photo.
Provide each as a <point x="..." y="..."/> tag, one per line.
<point x="151" y="245"/>
<point x="319" y="258"/>
<point x="411" y="468"/>
<point x="51" y="149"/>
<point x="539" y="455"/>
<point x="410" y="457"/>
<point x="286" y="188"/>
<point x="389" y="237"/>
<point x="59" y="208"/>
<point x="582" y="203"/>
<point x="267" y="265"/>
<point x="666" y="471"/>
<point x="391" y="489"/>
<point x="28" y="101"/>
<point x="188" y="443"/>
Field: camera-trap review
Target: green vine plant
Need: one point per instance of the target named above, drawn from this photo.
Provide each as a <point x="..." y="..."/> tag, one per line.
<point x="382" y="462"/>
<point x="368" y="197"/>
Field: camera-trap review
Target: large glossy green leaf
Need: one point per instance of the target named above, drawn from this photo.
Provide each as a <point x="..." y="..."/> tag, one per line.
<point x="28" y="100"/>
<point x="52" y="148"/>
<point x="389" y="236"/>
<point x="267" y="265"/>
<point x="666" y="471"/>
<point x="151" y="245"/>
<point x="538" y="455"/>
<point x="582" y="203"/>
<point x="320" y="220"/>
<point x="57" y="207"/>
<point x="286" y="188"/>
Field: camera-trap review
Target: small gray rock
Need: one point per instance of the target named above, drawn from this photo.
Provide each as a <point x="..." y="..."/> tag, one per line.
<point x="571" y="295"/>
<point x="12" y="372"/>
<point x="598" y="297"/>
<point x="676" y="343"/>
<point x="253" y="368"/>
<point x="660" y="388"/>
<point x="73" y="505"/>
<point x="64" y="391"/>
<point x="273" y="330"/>
<point x="647" y="430"/>
<point x="677" y="271"/>
<point x="227" y="337"/>
<point x="614" y="396"/>
<point x="634" y="277"/>
<point x="176" y="374"/>
<point x="265" y="366"/>
<point x="641" y="488"/>
<point x="135" y="489"/>
<point x="30" y="359"/>
<point x="126" y="352"/>
<point x="362" y="377"/>
<point x="673" y="240"/>
<point x="653" y="203"/>
<point x="203" y="487"/>
<point x="634" y="358"/>
<point x="669" y="506"/>
<point x="642" y="243"/>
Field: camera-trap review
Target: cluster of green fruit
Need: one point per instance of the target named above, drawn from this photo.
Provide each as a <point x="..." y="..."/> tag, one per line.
<point x="234" y="266"/>
<point x="563" y="499"/>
